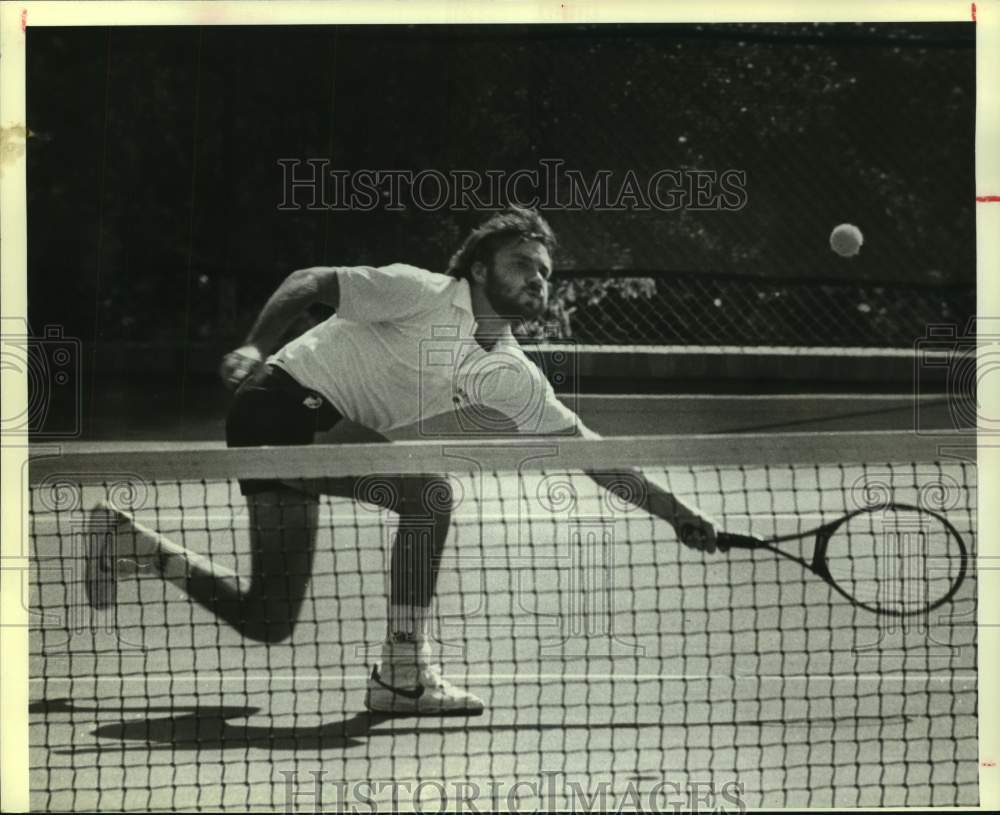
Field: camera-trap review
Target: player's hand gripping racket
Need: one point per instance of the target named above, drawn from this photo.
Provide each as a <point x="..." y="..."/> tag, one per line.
<point x="896" y="559"/>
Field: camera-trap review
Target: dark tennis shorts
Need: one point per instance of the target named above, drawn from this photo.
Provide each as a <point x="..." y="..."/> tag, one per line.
<point x="273" y="409"/>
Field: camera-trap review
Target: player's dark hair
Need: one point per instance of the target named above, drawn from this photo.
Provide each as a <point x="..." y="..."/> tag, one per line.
<point x="484" y="241"/>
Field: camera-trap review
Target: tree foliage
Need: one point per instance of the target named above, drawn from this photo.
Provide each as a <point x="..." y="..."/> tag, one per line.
<point x="154" y="184"/>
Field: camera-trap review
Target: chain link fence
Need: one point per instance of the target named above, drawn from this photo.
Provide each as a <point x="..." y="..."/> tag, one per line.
<point x="658" y="309"/>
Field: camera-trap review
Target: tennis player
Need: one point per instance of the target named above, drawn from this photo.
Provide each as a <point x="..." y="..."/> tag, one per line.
<point x="364" y="364"/>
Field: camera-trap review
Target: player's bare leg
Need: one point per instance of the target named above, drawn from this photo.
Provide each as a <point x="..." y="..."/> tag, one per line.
<point x="408" y="680"/>
<point x="283" y="526"/>
<point x="263" y="607"/>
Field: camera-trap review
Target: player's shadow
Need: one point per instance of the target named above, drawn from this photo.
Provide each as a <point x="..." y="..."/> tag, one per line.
<point x="203" y="727"/>
<point x="218" y="728"/>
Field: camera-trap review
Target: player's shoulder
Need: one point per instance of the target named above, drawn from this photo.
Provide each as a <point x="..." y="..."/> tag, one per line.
<point x="418" y="281"/>
<point x="510" y="344"/>
<point x="425" y="276"/>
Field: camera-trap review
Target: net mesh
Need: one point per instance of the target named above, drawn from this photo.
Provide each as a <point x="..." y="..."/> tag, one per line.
<point x="617" y="666"/>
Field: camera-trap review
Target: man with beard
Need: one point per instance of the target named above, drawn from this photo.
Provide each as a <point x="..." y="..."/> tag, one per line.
<point x="367" y="364"/>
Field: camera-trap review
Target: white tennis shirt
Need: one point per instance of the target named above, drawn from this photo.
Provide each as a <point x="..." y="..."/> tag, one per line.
<point x="401" y="349"/>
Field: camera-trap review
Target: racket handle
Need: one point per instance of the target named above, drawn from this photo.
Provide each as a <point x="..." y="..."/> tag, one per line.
<point x="725" y="541"/>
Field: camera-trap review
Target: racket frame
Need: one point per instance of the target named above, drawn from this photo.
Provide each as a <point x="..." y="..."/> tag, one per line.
<point x="819" y="566"/>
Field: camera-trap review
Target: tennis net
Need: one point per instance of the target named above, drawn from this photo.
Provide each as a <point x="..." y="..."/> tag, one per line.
<point x="618" y="667"/>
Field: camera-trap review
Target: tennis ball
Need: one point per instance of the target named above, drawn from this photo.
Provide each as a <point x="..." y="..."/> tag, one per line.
<point x="846" y="240"/>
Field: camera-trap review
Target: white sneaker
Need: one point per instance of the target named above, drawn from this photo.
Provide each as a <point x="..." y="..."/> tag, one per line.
<point x="110" y="554"/>
<point x="407" y="683"/>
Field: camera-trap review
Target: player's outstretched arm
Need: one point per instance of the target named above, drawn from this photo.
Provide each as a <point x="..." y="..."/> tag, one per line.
<point x="298" y="291"/>
<point x="693" y="528"/>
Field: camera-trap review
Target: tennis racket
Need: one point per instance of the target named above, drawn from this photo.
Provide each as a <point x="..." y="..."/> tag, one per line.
<point x="895" y="559"/>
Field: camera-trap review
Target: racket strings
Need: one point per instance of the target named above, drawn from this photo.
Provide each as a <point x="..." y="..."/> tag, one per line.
<point x="895" y="561"/>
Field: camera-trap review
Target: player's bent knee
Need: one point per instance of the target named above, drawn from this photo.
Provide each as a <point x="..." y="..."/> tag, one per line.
<point x="271" y="612"/>
<point x="270" y="632"/>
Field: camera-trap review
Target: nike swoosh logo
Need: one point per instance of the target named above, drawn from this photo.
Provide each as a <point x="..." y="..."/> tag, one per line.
<point x="409" y="694"/>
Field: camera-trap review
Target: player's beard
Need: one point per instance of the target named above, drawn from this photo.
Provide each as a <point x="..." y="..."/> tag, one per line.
<point x="514" y="303"/>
